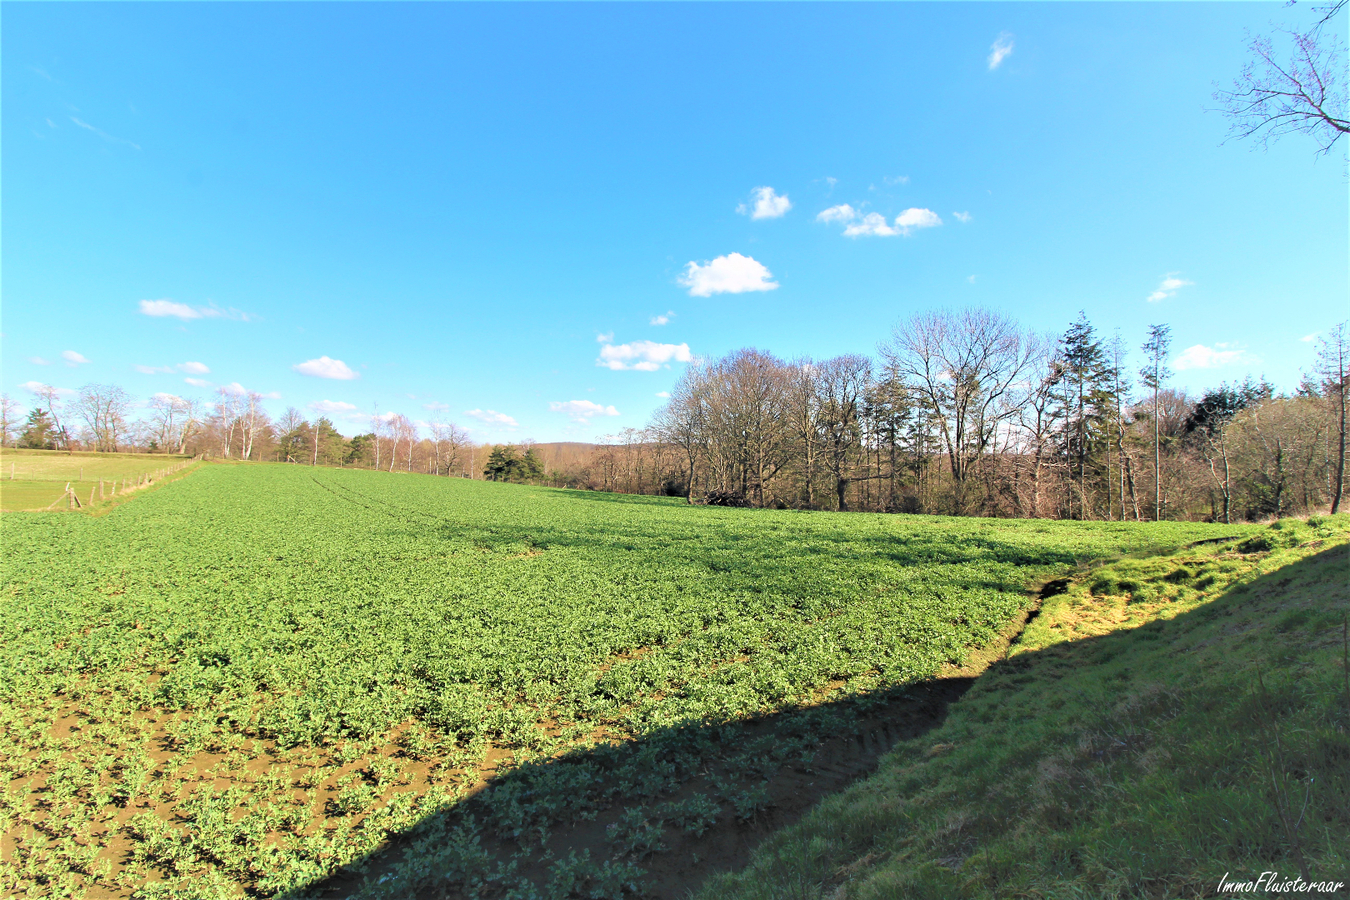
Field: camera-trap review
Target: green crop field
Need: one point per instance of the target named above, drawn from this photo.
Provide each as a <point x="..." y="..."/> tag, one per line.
<point x="37" y="479"/>
<point x="246" y="682"/>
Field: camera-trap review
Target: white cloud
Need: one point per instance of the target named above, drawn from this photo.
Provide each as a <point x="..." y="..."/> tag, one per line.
<point x="730" y="274"/>
<point x="323" y="367"/>
<point x="1309" y="338"/>
<point x="198" y="382"/>
<point x="841" y="213"/>
<point x="235" y="388"/>
<point x="873" y="224"/>
<point x="39" y="361"/>
<point x="663" y="394"/>
<point x="831" y="181"/>
<point x="331" y="406"/>
<point x="767" y="204"/>
<point x="582" y="411"/>
<point x="174" y="309"/>
<point x="605" y="338"/>
<point x="194" y="368"/>
<point x="963" y="217"/>
<point x="1202" y="357"/>
<point x="167" y="398"/>
<point x="1001" y="49"/>
<point x="913" y="218"/>
<point x="643" y="356"/>
<point x="492" y="417"/>
<point x="898" y="179"/>
<point x="36" y="387"/>
<point x="663" y="319"/>
<point x="970" y="278"/>
<point x="271" y="395"/>
<point x="72" y="358"/>
<point x="153" y="370"/>
<point x="1169" y="286"/>
<point x="103" y="134"/>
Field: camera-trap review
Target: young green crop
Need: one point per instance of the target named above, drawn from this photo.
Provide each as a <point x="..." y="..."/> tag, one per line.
<point x="381" y="638"/>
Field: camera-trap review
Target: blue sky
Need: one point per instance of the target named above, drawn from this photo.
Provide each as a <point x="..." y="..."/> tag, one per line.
<point x="448" y="204"/>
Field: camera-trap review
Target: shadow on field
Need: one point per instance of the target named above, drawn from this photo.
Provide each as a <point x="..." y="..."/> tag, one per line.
<point x="680" y="804"/>
<point x="666" y="812"/>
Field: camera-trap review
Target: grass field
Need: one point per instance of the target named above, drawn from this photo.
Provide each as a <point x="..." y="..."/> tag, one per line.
<point x="1162" y="725"/>
<point x="36" y="479"/>
<point x="250" y="679"/>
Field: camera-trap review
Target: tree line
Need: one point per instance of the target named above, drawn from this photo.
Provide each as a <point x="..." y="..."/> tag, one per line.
<point x="967" y="413"/>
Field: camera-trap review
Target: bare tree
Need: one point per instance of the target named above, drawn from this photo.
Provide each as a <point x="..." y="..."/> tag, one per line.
<point x="227" y="419"/>
<point x="252" y="420"/>
<point x="842" y="384"/>
<point x="103" y="408"/>
<point x="965" y="366"/>
<point x="1153" y="375"/>
<point x="683" y="421"/>
<point x="1272" y="97"/>
<point x="9" y="421"/>
<point x="1333" y="358"/>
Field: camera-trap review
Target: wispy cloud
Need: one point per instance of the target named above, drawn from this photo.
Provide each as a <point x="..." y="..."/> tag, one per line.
<point x="38" y="387"/>
<point x="193" y="368"/>
<point x="153" y="370"/>
<point x="970" y="278"/>
<point x="323" y="367"/>
<point x="1309" y="338"/>
<point x="492" y="417"/>
<point x="1000" y="50"/>
<point x="765" y="204"/>
<point x="582" y="411"/>
<point x="436" y="406"/>
<point x="332" y="406"/>
<point x="665" y="395"/>
<point x="963" y="217"/>
<point x="604" y="337"/>
<point x="39" y="361"/>
<point x="176" y="310"/>
<point x="103" y="134"/>
<point x="73" y="359"/>
<point x="198" y="382"/>
<point x="1169" y="286"/>
<point x="730" y="274"/>
<point x="892" y="181"/>
<point x="663" y="319"/>
<point x="1202" y="357"/>
<point x="642" y="356"/>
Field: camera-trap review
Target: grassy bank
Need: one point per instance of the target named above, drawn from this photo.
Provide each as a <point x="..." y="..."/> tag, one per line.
<point x="1162" y="724"/>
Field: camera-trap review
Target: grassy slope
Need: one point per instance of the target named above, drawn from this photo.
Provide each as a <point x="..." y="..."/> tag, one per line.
<point x="33" y="480"/>
<point x="1142" y="740"/>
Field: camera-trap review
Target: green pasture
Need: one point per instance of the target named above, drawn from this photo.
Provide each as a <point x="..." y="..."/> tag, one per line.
<point x="248" y="680"/>
<point x="35" y="479"/>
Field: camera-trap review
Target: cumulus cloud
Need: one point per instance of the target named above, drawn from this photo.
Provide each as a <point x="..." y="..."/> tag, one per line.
<point x="766" y="204"/>
<point x="642" y="356"/>
<point x="841" y="213"/>
<point x="730" y="274"/>
<point x="332" y="406"/>
<point x="873" y="224"/>
<point x="582" y="411"/>
<point x="167" y="398"/>
<point x="234" y="388"/>
<point x="604" y="338"/>
<point x="663" y="319"/>
<point x="193" y="368"/>
<point x="323" y="367"/>
<point x="72" y="358"/>
<point x="913" y="218"/>
<point x="176" y="310"/>
<point x="1169" y="286"/>
<point x="37" y="387"/>
<point x="962" y="217"/>
<point x="858" y="224"/>
<point x="1000" y="50"/>
<point x="1202" y="357"/>
<point x="492" y="417"/>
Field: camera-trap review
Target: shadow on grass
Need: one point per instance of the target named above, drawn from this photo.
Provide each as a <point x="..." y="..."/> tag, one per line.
<point x="662" y="814"/>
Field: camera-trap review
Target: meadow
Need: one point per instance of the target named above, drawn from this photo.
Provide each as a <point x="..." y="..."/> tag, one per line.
<point x="247" y="681"/>
<point x="32" y="480"/>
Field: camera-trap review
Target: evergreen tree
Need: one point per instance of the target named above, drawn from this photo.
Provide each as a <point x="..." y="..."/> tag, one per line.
<point x="39" y="432"/>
